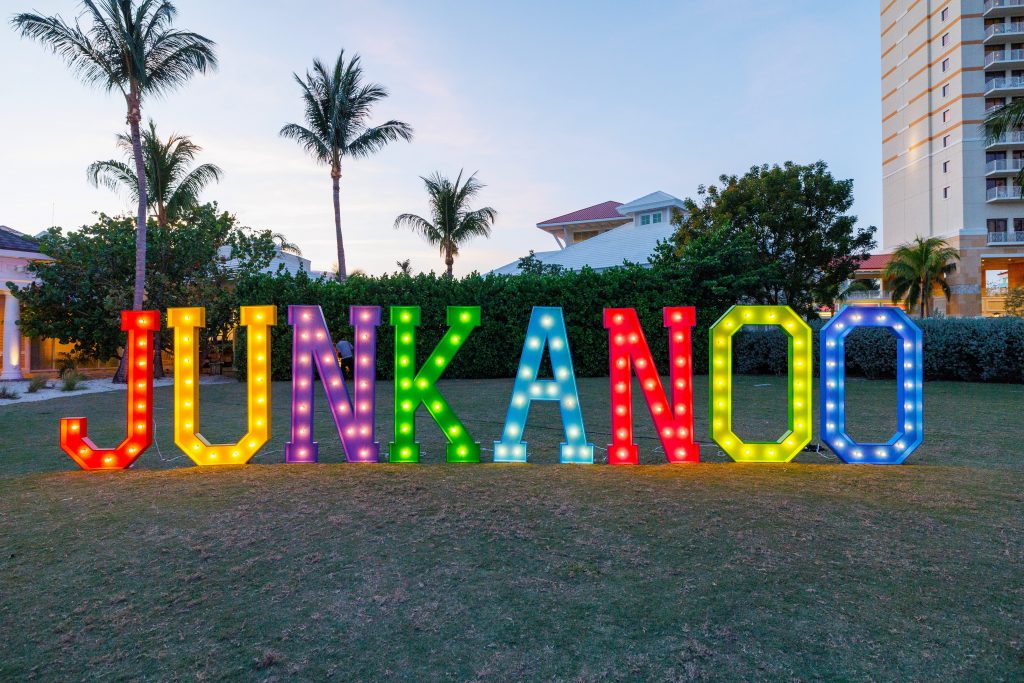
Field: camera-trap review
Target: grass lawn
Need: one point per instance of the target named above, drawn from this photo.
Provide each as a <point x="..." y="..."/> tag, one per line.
<point x="715" y="571"/>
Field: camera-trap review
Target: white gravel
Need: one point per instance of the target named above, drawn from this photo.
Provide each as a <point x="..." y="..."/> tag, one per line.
<point x="89" y="386"/>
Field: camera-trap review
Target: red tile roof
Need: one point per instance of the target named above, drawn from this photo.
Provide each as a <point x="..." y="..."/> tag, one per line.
<point x="875" y="262"/>
<point x="599" y="212"/>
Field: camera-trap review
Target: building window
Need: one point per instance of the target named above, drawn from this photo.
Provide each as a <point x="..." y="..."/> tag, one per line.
<point x="945" y="167"/>
<point x="947" y="116"/>
<point x="656" y="218"/>
<point x="945" y="193"/>
<point x="944" y="15"/>
<point x="945" y="64"/>
<point x="1018" y="225"/>
<point x="645" y="219"/>
<point x="998" y="224"/>
<point x="945" y="39"/>
<point x="945" y="90"/>
<point x="947" y="140"/>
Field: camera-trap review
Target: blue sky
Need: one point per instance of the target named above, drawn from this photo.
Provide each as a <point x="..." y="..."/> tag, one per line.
<point x="558" y="105"/>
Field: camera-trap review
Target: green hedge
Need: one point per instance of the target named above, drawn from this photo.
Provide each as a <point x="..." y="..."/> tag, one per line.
<point x="986" y="350"/>
<point x="493" y="350"/>
<point x="955" y="349"/>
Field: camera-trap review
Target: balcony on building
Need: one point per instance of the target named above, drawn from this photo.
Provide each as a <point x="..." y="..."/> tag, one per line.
<point x="1002" y="8"/>
<point x="1012" y="86"/>
<point x="1007" y="141"/>
<point x="1003" y="194"/>
<point x="1006" y="237"/>
<point x="877" y="297"/>
<point x="1005" y="59"/>
<point x="1004" y="167"/>
<point x="1003" y="32"/>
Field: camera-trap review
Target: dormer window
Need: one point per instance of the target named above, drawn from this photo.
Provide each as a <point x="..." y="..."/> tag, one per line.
<point x="648" y="218"/>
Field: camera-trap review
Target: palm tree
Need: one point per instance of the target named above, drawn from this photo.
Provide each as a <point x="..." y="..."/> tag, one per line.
<point x="286" y="245"/>
<point x="172" y="185"/>
<point x="916" y="268"/>
<point x="338" y="105"/>
<point x="1006" y="119"/>
<point x="129" y="46"/>
<point x="452" y="222"/>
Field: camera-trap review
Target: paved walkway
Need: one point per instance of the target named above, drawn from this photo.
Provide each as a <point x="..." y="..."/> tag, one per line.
<point x="89" y="386"/>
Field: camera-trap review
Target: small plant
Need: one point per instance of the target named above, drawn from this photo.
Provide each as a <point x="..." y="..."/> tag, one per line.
<point x="66" y="362"/>
<point x="36" y="384"/>
<point x="1015" y="302"/>
<point x="71" y="380"/>
<point x="7" y="393"/>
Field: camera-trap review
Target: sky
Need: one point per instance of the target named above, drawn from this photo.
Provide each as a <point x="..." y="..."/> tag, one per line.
<point x="556" y="105"/>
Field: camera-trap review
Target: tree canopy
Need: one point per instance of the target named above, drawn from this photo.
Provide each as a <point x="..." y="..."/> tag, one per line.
<point x="80" y="293"/>
<point x="917" y="268"/>
<point x="173" y="183"/>
<point x="338" y="105"/>
<point x="796" y="217"/>
<point x="452" y="222"/>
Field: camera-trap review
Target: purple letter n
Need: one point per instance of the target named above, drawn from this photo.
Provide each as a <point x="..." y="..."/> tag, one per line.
<point x="354" y="419"/>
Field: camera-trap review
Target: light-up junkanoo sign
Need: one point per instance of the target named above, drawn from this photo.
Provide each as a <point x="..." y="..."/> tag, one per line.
<point x="352" y="405"/>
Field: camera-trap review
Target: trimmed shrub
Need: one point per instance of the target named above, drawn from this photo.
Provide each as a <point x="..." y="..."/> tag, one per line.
<point x="975" y="349"/>
<point x="507" y="302"/>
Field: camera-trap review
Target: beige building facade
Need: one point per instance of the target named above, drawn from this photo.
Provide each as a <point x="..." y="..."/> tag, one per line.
<point x="944" y="65"/>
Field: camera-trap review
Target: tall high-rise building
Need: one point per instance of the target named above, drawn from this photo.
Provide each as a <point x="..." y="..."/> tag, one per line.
<point x="944" y="65"/>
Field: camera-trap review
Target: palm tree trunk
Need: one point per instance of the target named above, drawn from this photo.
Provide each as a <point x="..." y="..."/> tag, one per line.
<point x="342" y="269"/>
<point x="158" y="355"/>
<point x="134" y="117"/>
<point x="449" y="260"/>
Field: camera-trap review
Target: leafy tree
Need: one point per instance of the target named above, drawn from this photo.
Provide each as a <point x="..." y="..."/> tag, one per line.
<point x="128" y="46"/>
<point x="172" y="184"/>
<point x="405" y="267"/>
<point x="724" y="265"/>
<point x="1015" y="302"/>
<point x="796" y="216"/>
<point x="531" y="265"/>
<point x="78" y="296"/>
<point x="452" y="223"/>
<point x="338" y="105"/>
<point x="917" y="268"/>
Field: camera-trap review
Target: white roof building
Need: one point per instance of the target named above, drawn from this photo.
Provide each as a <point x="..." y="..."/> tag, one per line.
<point x="607" y="235"/>
<point x="292" y="263"/>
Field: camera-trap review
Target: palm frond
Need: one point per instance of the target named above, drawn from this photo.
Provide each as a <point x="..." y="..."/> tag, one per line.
<point x="186" y="192"/>
<point x="377" y="138"/>
<point x="1005" y="119"/>
<point x="127" y="46"/>
<point x="420" y="226"/>
<point x="115" y="176"/>
<point x="69" y="42"/>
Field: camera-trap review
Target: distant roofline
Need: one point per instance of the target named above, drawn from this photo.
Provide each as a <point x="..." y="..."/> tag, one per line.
<point x="559" y="220"/>
<point x="645" y="204"/>
<point x="618" y="219"/>
<point x="29" y="244"/>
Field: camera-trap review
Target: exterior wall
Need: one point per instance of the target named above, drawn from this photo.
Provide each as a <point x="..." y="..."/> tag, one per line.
<point x="635" y="216"/>
<point x="666" y="216"/>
